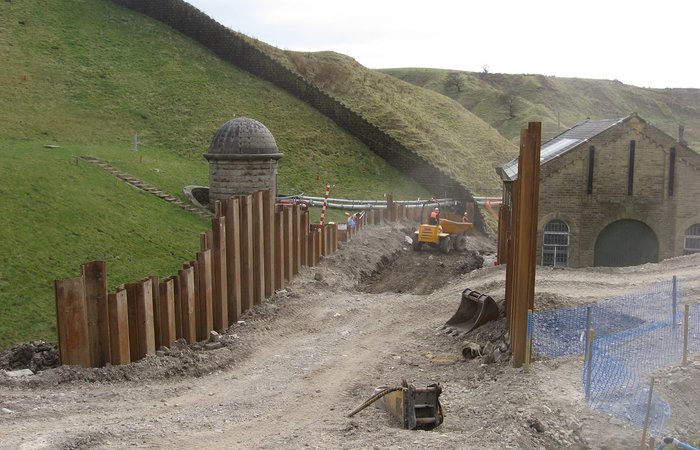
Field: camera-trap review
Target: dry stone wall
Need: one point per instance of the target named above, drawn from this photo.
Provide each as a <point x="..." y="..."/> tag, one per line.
<point x="196" y="25"/>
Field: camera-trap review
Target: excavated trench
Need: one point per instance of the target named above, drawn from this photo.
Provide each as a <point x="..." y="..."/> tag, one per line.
<point x="419" y="272"/>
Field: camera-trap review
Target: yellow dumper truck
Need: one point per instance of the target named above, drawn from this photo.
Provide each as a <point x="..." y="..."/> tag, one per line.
<point x="446" y="236"/>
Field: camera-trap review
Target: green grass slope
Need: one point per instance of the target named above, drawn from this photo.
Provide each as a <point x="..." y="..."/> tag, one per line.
<point x="434" y="126"/>
<point x="508" y="102"/>
<point x="84" y="75"/>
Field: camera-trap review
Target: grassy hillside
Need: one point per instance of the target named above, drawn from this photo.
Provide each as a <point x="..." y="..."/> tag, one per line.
<point x="84" y="75"/>
<point x="508" y="102"/>
<point x="434" y="126"/>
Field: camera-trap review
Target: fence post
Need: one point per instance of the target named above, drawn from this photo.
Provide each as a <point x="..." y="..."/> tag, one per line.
<point x="646" y="419"/>
<point x="589" y="311"/>
<point x="528" y="348"/>
<point x="686" y="327"/>
<point x="589" y="364"/>
<point x="675" y="298"/>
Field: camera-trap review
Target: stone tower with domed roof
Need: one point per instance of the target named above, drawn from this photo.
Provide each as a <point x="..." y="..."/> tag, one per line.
<point x="243" y="158"/>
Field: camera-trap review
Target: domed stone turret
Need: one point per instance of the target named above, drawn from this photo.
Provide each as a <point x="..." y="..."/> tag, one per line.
<point x="242" y="159"/>
<point x="243" y="136"/>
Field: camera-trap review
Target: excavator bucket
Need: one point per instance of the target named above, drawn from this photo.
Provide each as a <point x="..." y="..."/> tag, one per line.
<point x="474" y="310"/>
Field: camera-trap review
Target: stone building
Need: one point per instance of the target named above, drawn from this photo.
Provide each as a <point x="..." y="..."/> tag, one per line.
<point x="615" y="192"/>
<point x="243" y="158"/>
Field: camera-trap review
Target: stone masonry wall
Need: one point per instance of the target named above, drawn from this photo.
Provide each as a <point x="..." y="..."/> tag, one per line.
<point x="563" y="190"/>
<point x="227" y="178"/>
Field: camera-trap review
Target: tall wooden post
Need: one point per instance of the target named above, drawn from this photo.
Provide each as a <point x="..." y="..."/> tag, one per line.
<point x="139" y="298"/>
<point x="311" y="248"/>
<point x="269" y="240"/>
<point x="155" y="298"/>
<point x="95" y="279"/>
<point x="334" y="237"/>
<point x="119" y="327"/>
<point x="503" y="226"/>
<point x="167" y="311"/>
<point x="522" y="293"/>
<point x="258" y="248"/>
<point x="219" y="273"/>
<point x="279" y="248"/>
<point x="205" y="317"/>
<point x="296" y="239"/>
<point x="327" y="240"/>
<point x="177" y="303"/>
<point x="247" y="258"/>
<point x="390" y="207"/>
<point x="288" y="242"/>
<point x="231" y="211"/>
<point x="304" y="247"/>
<point x="318" y="243"/>
<point x="187" y="293"/>
<point x="72" y="322"/>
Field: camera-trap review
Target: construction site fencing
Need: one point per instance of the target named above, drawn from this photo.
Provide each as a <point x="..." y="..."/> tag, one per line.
<point x="343" y="203"/>
<point x="254" y="248"/>
<point x="624" y="341"/>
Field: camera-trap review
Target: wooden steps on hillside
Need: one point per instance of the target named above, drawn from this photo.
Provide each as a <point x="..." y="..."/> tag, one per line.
<point x="145" y="187"/>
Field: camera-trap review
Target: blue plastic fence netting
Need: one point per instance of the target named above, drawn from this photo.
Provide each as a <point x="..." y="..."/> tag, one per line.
<point x="635" y="335"/>
<point x="562" y="331"/>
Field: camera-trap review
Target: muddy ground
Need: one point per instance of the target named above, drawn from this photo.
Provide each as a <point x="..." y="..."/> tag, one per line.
<point x="368" y="316"/>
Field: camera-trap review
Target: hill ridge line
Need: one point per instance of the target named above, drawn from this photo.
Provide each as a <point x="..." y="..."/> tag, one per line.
<point x="234" y="49"/>
<point x="145" y="187"/>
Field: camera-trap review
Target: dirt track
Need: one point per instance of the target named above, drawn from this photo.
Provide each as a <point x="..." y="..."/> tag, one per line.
<point x="305" y="359"/>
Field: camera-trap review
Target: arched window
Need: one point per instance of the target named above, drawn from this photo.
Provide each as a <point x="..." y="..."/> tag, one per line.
<point x="555" y="244"/>
<point x="692" y="239"/>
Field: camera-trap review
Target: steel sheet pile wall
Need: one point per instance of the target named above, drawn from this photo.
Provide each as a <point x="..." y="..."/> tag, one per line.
<point x="252" y="250"/>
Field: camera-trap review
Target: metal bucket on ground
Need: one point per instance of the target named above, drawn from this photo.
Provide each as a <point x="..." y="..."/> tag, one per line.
<point x="475" y="309"/>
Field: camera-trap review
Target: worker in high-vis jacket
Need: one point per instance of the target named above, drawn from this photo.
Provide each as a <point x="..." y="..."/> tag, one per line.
<point x="434" y="217"/>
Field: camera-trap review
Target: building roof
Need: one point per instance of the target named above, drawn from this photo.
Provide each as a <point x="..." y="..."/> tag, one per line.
<point x="563" y="143"/>
<point x="243" y="136"/>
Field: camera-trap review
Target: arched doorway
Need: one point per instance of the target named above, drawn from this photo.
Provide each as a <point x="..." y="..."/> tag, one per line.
<point x="626" y="243"/>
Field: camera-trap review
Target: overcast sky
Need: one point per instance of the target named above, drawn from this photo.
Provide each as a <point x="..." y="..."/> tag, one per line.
<point x="643" y="43"/>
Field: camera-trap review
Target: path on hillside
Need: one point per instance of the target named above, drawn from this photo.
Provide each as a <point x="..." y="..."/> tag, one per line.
<point x="143" y="186"/>
<point x="316" y="350"/>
